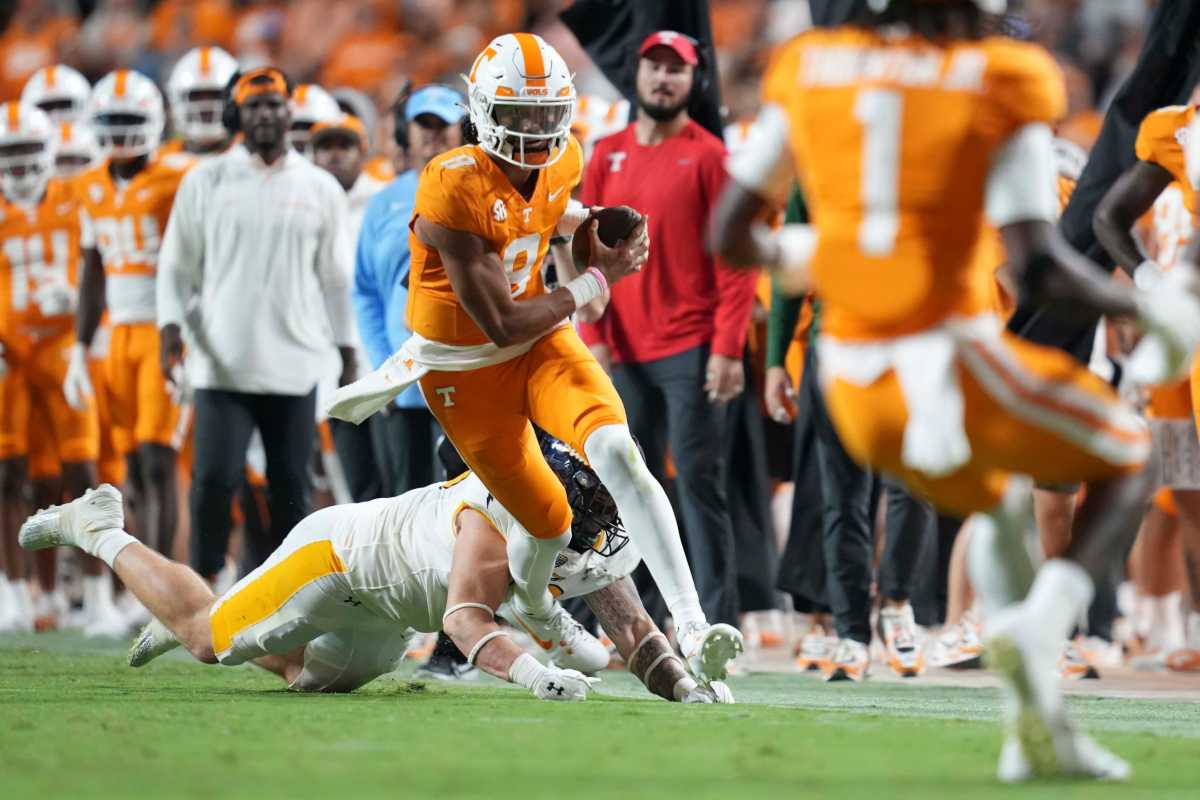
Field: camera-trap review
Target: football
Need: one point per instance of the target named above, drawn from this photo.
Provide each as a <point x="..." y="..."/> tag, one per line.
<point x="616" y="222"/>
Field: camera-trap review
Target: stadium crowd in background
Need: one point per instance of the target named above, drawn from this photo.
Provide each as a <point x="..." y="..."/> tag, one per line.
<point x="373" y="96"/>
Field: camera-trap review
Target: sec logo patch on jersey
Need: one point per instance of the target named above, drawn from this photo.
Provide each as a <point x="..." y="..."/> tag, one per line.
<point x="499" y="211"/>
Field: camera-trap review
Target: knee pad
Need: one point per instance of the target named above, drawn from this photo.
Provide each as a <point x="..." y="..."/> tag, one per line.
<point x="611" y="448"/>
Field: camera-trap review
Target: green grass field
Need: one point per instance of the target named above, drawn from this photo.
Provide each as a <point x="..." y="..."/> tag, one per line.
<point x="75" y="722"/>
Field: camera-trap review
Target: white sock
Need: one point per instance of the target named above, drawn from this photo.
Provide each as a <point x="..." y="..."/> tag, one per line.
<point x="531" y="561"/>
<point x="648" y="518"/>
<point x="8" y="600"/>
<point x="97" y="593"/>
<point x="1060" y="594"/>
<point x="1193" y="630"/>
<point x="1166" y="631"/>
<point x="24" y="600"/>
<point x="997" y="560"/>
<point x="108" y="544"/>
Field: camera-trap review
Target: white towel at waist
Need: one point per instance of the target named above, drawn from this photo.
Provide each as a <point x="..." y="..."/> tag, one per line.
<point x="935" y="440"/>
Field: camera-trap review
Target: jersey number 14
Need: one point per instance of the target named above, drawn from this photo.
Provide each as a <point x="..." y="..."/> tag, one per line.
<point x="32" y="267"/>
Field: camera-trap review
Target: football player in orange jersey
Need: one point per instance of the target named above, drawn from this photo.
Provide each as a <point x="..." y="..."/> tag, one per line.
<point x="125" y="202"/>
<point x="196" y="93"/>
<point x="42" y="439"/>
<point x="493" y="350"/>
<point x="909" y="128"/>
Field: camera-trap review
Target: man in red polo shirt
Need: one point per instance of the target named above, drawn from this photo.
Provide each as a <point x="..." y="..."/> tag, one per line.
<point x="675" y="332"/>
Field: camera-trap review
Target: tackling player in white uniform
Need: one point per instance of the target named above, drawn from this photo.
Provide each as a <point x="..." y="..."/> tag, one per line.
<point x="334" y="606"/>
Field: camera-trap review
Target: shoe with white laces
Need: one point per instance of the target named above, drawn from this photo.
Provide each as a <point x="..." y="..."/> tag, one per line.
<point x="154" y="640"/>
<point x="959" y="646"/>
<point x="851" y="661"/>
<point x="1040" y="741"/>
<point x="713" y="692"/>
<point x="77" y="523"/>
<point x="567" y="643"/>
<point x="898" y="632"/>
<point x="708" y="649"/>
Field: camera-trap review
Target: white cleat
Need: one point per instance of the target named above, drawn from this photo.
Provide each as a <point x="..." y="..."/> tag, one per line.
<point x="715" y="692"/>
<point x="1040" y="742"/>
<point x="73" y="524"/>
<point x="708" y="649"/>
<point x="567" y="643"/>
<point x="154" y="640"/>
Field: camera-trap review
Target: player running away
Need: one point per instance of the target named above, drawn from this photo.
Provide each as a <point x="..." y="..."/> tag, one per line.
<point x="336" y="604"/>
<point x="907" y="130"/>
<point x="494" y="351"/>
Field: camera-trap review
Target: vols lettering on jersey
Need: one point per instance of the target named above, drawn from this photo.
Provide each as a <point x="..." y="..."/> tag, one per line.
<point x="125" y="223"/>
<point x="464" y="190"/>
<point x="39" y="248"/>
<point x="893" y="140"/>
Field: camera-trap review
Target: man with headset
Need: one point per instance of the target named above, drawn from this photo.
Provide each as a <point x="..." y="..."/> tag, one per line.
<point x="675" y="333"/>
<point x="254" y="268"/>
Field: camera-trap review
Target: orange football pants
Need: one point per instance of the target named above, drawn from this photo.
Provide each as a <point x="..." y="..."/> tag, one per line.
<point x="137" y="390"/>
<point x="35" y="419"/>
<point x="1029" y="409"/>
<point x="486" y="413"/>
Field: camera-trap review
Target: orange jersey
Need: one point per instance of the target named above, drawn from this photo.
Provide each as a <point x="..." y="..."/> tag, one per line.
<point x="1172" y="225"/>
<point x="464" y="190"/>
<point x="126" y="225"/>
<point x="893" y="140"/>
<point x="38" y="246"/>
<point x="1160" y="141"/>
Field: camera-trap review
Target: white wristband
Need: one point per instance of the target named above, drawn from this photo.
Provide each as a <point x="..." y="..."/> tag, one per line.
<point x="575" y="215"/>
<point x="589" y="286"/>
<point x="525" y="671"/>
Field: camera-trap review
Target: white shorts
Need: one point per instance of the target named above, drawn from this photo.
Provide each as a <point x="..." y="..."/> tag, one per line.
<point x="301" y="592"/>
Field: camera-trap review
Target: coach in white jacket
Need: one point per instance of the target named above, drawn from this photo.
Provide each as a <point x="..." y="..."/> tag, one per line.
<point x="253" y="266"/>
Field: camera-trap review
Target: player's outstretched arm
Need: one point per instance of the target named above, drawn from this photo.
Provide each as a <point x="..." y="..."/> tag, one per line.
<point x="479" y="579"/>
<point x="1131" y="196"/>
<point x="645" y="649"/>
<point x="482" y="286"/>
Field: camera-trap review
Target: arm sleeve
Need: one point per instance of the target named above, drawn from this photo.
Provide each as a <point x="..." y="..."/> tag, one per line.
<point x="785" y="310"/>
<point x="369" y="309"/>
<point x="735" y="287"/>
<point x="1022" y="185"/>
<point x="334" y="273"/>
<point x="181" y="259"/>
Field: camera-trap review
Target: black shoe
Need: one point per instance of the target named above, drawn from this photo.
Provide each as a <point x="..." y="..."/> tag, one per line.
<point x="444" y="668"/>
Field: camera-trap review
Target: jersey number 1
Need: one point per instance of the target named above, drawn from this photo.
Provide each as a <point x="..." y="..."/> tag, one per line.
<point x="879" y="111"/>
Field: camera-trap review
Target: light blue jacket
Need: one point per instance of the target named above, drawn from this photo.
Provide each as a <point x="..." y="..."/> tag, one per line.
<point x="381" y="275"/>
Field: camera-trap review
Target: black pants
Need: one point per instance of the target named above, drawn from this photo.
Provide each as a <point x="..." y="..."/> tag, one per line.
<point x="356" y="452"/>
<point x="667" y="407"/>
<point x="829" y="557"/>
<point x="405" y="445"/>
<point x="224" y="422"/>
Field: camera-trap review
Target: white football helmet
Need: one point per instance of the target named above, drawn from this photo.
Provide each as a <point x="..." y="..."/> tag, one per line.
<point x="126" y="113"/>
<point x="988" y="6"/>
<point x="521" y="98"/>
<point x="75" y="149"/>
<point x="26" y="151"/>
<point x="309" y="104"/>
<point x="196" y="91"/>
<point x="60" y="91"/>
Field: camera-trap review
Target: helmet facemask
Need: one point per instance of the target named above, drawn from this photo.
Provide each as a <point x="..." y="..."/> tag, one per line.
<point x="595" y="524"/>
<point x="25" y="169"/>
<point x="61" y="109"/>
<point x="198" y="116"/>
<point x="126" y="134"/>
<point x="527" y="133"/>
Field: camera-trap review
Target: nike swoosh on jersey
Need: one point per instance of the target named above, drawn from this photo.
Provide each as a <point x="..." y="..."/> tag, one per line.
<point x="554" y="194"/>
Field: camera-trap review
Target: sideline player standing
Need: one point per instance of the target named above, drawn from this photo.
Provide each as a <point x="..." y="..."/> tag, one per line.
<point x="948" y="125"/>
<point x="492" y="348"/>
<point x="125" y="202"/>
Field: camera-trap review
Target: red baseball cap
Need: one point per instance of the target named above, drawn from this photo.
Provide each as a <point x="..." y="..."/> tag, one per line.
<point x="681" y="44"/>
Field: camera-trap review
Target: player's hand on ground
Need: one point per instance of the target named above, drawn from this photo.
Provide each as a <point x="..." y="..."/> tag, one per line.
<point x="170" y="351"/>
<point x="780" y="397"/>
<point x="563" y="685"/>
<point x="707" y="694"/>
<point x="77" y="385"/>
<point x="626" y="258"/>
<point x="724" y="379"/>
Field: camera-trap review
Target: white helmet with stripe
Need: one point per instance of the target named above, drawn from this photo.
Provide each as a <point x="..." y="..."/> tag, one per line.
<point x="196" y="92"/>
<point x="26" y="151"/>
<point x="75" y="149"/>
<point x="309" y="105"/>
<point x="521" y="97"/>
<point x="59" y="90"/>
<point x="125" y="111"/>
